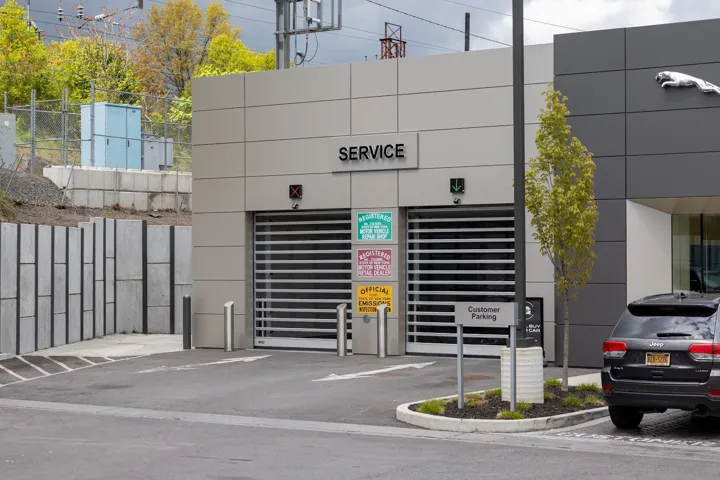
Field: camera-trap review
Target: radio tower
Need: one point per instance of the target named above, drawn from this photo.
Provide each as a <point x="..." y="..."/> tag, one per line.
<point x="392" y="46"/>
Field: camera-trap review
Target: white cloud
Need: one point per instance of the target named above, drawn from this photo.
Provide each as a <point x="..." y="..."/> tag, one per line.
<point x="584" y="15"/>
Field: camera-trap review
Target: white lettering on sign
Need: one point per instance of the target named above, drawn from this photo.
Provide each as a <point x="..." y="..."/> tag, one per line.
<point x="374" y="262"/>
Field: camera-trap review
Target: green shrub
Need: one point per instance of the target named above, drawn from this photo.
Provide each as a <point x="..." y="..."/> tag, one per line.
<point x="475" y="400"/>
<point x="589" y="387"/>
<point x="574" y="401"/>
<point x="523" y="406"/>
<point x="495" y="392"/>
<point x="432" y="407"/>
<point x="7" y="207"/>
<point x="510" y="415"/>
<point x="553" y="383"/>
<point x="548" y="396"/>
<point x="594" y="401"/>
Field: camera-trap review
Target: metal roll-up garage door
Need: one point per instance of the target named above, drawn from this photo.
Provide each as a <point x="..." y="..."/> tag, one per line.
<point x="457" y="255"/>
<point x="302" y="272"/>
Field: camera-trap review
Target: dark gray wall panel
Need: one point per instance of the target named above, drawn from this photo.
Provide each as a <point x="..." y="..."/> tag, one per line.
<point x="644" y="94"/>
<point x="673" y="44"/>
<point x="609" y="177"/>
<point x="603" y="135"/>
<point x="678" y="131"/>
<point x="611" y="221"/>
<point x="593" y="93"/>
<point x="585" y="345"/>
<point x="670" y="176"/>
<point x="596" y="304"/>
<point x="589" y="52"/>
<point x="610" y="264"/>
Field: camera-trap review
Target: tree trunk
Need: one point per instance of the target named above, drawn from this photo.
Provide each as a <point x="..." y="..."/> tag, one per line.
<point x="566" y="346"/>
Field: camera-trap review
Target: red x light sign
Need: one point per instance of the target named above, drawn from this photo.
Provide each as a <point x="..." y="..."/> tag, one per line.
<point x="295" y="191"/>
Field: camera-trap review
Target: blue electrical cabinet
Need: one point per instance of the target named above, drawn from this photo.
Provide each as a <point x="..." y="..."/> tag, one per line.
<point x="117" y="136"/>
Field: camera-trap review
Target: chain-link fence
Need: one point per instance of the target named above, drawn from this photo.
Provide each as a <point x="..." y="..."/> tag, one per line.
<point x="114" y="130"/>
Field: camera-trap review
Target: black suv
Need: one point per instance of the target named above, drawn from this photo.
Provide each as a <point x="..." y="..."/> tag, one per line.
<point x="661" y="355"/>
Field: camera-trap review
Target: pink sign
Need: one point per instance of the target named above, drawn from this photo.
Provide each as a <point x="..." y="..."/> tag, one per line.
<point x="374" y="262"/>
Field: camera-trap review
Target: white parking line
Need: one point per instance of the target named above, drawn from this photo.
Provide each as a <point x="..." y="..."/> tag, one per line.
<point x="108" y="359"/>
<point x="60" y="364"/>
<point x="86" y="360"/>
<point x="7" y="370"/>
<point x="22" y="379"/>
<point x="33" y="366"/>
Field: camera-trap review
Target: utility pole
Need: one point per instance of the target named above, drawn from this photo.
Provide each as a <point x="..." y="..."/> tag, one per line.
<point x="519" y="165"/>
<point x="467" y="31"/>
<point x="283" y="30"/>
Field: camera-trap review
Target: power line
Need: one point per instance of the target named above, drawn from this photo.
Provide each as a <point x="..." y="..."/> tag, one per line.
<point x="438" y="24"/>
<point x="510" y="15"/>
<point x="429" y="45"/>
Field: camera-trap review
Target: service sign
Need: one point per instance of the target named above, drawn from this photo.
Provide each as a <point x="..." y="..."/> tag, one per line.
<point x="372" y="262"/>
<point x="362" y="153"/>
<point x="485" y="314"/>
<point x="370" y="297"/>
<point x="374" y="226"/>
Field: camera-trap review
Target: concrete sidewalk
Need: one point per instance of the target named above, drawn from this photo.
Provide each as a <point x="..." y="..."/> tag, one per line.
<point x="128" y="345"/>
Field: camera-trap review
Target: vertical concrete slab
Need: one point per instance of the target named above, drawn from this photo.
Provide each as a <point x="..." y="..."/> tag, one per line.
<point x="60" y="329"/>
<point x="27" y="290"/>
<point x="74" y="261"/>
<point x="158" y="319"/>
<point x="44" y="283"/>
<point x="129" y="302"/>
<point x="8" y="260"/>
<point x="74" y="313"/>
<point x="44" y="321"/>
<point x="27" y="335"/>
<point x="158" y="244"/>
<point x="158" y="284"/>
<point x="8" y="326"/>
<point x="128" y="251"/>
<point x="183" y="256"/>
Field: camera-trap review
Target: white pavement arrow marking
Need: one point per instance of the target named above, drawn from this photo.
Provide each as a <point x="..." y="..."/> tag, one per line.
<point x="197" y="365"/>
<point x="350" y="376"/>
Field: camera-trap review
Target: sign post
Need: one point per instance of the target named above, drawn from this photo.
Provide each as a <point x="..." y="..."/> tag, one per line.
<point x="487" y="314"/>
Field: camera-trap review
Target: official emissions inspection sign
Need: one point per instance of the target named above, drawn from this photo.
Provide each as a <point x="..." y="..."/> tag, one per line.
<point x="485" y="314"/>
<point x="370" y="297"/>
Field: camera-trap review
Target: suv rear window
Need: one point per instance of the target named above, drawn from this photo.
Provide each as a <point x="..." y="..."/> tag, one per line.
<point x="671" y="321"/>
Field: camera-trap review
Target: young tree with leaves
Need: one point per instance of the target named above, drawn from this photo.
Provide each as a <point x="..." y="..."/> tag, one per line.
<point x="559" y="191"/>
<point x="23" y="56"/>
<point x="95" y="51"/>
<point x="174" y="40"/>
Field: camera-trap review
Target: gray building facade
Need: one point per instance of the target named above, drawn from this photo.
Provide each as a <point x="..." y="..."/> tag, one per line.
<point x="366" y="229"/>
<point x="656" y="151"/>
<point x="391" y="181"/>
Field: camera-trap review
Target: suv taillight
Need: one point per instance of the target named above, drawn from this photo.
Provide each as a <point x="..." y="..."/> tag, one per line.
<point x="705" y="351"/>
<point x="614" y="349"/>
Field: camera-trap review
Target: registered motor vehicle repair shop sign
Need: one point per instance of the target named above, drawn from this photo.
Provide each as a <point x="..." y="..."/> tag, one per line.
<point x="370" y="297"/>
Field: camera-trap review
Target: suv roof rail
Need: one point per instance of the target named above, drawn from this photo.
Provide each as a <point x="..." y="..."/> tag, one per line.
<point x="657" y="295"/>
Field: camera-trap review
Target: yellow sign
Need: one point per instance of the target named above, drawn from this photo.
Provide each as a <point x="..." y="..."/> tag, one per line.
<point x="369" y="297"/>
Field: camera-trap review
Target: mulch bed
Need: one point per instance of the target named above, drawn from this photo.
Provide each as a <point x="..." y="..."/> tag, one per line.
<point x="478" y="406"/>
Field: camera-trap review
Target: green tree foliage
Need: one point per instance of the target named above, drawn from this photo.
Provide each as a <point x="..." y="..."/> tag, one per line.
<point x="559" y="190"/>
<point x="75" y="63"/>
<point x="23" y="56"/>
<point x="174" y="41"/>
<point x="226" y="56"/>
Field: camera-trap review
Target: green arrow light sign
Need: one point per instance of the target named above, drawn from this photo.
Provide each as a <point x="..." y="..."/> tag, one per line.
<point x="457" y="185"/>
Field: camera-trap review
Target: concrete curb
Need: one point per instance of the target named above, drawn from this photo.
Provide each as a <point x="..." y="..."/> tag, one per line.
<point x="446" y="424"/>
<point x="435" y="422"/>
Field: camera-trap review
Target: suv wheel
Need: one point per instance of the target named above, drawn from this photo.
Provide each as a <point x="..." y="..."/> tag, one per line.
<point x="625" y="417"/>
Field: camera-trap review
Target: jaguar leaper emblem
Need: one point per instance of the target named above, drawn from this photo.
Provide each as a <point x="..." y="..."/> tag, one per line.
<point x="676" y="79"/>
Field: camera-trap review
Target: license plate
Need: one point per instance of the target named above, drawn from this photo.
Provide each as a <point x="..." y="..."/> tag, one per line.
<point x="657" y="359"/>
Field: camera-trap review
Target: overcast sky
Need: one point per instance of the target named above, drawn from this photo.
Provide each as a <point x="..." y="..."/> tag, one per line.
<point x="353" y="44"/>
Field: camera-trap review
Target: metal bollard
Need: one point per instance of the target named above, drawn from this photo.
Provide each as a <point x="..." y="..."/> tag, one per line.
<point x="382" y="331"/>
<point x="342" y="330"/>
<point x="187" y="323"/>
<point x="229" y="326"/>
